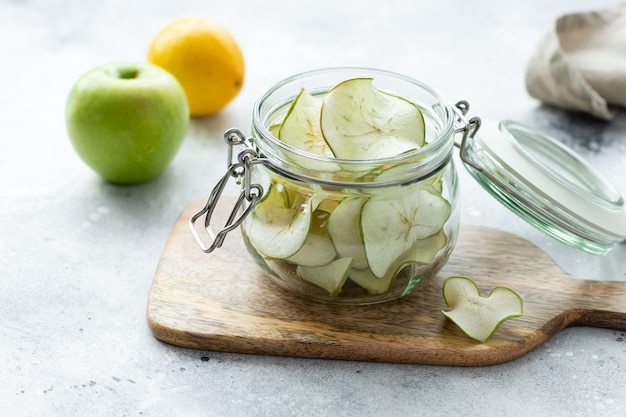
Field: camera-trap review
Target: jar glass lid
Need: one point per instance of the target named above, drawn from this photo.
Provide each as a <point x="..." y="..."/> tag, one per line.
<point x="546" y="184"/>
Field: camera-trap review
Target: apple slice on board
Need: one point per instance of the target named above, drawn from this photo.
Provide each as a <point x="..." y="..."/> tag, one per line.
<point x="478" y="317"/>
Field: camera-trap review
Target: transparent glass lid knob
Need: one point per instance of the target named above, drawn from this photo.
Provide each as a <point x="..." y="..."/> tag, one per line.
<point x="547" y="184"/>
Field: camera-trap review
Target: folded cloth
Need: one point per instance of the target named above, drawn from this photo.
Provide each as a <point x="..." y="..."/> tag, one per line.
<point x="580" y="64"/>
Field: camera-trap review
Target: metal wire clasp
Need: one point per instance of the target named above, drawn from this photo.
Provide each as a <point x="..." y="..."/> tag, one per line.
<point x="469" y="127"/>
<point x="468" y="130"/>
<point x="238" y="169"/>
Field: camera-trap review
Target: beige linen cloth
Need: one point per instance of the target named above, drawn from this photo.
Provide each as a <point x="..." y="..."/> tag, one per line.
<point x="581" y="63"/>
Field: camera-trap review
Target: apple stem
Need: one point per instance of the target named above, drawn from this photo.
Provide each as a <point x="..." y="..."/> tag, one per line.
<point x="128" y="73"/>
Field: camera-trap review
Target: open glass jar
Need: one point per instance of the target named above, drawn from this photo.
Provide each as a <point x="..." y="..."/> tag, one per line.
<point x="364" y="231"/>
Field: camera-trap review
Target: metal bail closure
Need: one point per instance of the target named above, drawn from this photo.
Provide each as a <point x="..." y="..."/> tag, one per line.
<point x="238" y="170"/>
<point x="546" y="184"/>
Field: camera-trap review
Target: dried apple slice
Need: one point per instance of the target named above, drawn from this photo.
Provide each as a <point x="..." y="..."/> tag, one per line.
<point x="359" y="121"/>
<point x="301" y="127"/>
<point x="479" y="317"/>
<point x="278" y="227"/>
<point x="330" y="277"/>
<point x="392" y="226"/>
<point x="317" y="250"/>
<point x="370" y="282"/>
<point x="422" y="253"/>
<point x="343" y="229"/>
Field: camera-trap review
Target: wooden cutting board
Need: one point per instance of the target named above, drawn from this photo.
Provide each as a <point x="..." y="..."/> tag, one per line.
<point x="222" y="301"/>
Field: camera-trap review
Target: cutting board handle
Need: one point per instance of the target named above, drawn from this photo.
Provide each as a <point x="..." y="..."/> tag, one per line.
<point x="577" y="302"/>
<point x="598" y="303"/>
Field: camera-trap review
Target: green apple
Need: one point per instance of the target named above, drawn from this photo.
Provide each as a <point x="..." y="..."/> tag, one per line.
<point x="127" y="120"/>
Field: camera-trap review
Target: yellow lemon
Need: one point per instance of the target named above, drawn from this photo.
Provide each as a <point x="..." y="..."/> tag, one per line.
<point x="204" y="57"/>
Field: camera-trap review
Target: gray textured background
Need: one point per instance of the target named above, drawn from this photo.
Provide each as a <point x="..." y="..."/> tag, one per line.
<point x="77" y="255"/>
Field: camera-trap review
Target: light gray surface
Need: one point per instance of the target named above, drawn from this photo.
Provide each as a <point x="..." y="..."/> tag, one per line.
<point x="77" y="255"/>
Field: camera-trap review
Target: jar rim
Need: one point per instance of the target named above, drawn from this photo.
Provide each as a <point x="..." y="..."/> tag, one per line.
<point x="442" y="142"/>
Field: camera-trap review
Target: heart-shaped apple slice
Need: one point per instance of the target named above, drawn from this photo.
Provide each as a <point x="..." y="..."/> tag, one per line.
<point x="479" y="317"/>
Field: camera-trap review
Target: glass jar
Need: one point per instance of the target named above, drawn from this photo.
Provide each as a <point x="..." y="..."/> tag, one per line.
<point x="318" y="230"/>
